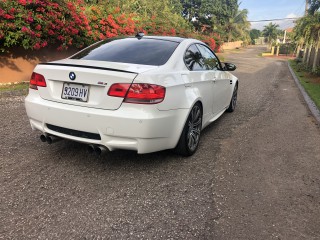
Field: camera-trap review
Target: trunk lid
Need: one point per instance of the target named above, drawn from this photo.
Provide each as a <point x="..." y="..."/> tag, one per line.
<point x="86" y="82"/>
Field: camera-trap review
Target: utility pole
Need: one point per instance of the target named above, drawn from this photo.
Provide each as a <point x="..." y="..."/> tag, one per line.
<point x="306" y="10"/>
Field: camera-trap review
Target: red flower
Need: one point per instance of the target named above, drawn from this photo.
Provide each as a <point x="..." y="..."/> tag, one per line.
<point x="22" y="2"/>
<point x="24" y="29"/>
<point x="74" y="31"/>
<point x="8" y="16"/>
<point x="38" y="27"/>
<point x="102" y="36"/>
<point x="29" y="19"/>
<point x="50" y="32"/>
<point x="60" y="38"/>
<point x="44" y="44"/>
<point x="37" y="46"/>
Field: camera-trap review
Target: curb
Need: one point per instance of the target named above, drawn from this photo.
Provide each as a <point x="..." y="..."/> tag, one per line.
<point x="312" y="106"/>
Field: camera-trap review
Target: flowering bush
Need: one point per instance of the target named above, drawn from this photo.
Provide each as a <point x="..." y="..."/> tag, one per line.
<point x="35" y="24"/>
<point x="108" y="23"/>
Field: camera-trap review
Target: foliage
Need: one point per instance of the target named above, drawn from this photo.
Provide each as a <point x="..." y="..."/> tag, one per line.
<point x="307" y="29"/>
<point x="314" y="6"/>
<point x="287" y="48"/>
<point x="254" y="34"/>
<point x="310" y="82"/>
<point x="220" y="16"/>
<point x="35" y="24"/>
<point x="270" y="32"/>
<point x="237" y="27"/>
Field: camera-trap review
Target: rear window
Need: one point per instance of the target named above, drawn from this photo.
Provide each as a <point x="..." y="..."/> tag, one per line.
<point x="130" y="50"/>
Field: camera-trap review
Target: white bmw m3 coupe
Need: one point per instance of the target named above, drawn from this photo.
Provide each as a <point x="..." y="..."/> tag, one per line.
<point x="139" y="93"/>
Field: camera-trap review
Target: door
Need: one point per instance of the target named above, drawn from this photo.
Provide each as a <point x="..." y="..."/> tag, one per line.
<point x="199" y="79"/>
<point x="221" y="84"/>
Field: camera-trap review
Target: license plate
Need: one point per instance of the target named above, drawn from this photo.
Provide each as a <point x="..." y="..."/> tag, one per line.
<point x="76" y="92"/>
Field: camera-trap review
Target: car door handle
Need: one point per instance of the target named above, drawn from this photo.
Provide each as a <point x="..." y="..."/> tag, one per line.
<point x="188" y="85"/>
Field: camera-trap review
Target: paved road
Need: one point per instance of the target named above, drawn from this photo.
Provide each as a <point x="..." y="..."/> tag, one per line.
<point x="256" y="174"/>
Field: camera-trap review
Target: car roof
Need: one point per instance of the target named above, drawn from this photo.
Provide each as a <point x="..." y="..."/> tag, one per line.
<point x="166" y="38"/>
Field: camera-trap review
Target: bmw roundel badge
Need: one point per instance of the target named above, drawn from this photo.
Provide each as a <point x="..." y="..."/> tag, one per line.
<point x="72" y="76"/>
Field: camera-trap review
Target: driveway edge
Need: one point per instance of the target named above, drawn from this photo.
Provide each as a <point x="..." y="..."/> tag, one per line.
<point x="312" y="106"/>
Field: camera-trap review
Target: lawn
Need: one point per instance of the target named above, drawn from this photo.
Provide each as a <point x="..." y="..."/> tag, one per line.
<point x="310" y="82"/>
<point x="14" y="87"/>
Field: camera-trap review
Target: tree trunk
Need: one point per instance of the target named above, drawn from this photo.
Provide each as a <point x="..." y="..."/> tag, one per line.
<point x="309" y="54"/>
<point x="305" y="53"/>
<point x="317" y="46"/>
<point x="298" y="50"/>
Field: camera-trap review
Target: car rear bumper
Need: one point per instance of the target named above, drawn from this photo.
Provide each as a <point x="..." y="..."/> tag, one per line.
<point x="142" y="128"/>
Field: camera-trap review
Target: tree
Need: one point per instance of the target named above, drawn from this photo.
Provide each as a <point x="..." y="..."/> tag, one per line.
<point x="314" y="6"/>
<point x="237" y="26"/>
<point x="254" y="34"/>
<point x="307" y="32"/>
<point x="210" y="12"/>
<point x="270" y="32"/>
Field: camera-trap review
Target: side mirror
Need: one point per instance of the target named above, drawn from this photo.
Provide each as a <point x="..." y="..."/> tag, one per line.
<point x="229" y="67"/>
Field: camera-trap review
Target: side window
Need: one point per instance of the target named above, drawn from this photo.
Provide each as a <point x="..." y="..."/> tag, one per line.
<point x="193" y="59"/>
<point x="210" y="61"/>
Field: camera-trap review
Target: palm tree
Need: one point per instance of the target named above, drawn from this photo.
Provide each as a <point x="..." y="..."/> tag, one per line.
<point x="270" y="32"/>
<point x="238" y="26"/>
<point x="307" y="32"/>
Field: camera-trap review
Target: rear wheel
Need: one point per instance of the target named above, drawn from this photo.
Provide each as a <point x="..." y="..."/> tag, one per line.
<point x="190" y="136"/>
<point x="234" y="99"/>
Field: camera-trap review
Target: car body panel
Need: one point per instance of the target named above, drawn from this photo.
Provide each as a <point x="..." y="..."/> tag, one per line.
<point x="140" y="127"/>
<point x="130" y="127"/>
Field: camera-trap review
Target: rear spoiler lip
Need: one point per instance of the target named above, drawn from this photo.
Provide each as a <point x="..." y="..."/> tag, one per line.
<point x="86" y="66"/>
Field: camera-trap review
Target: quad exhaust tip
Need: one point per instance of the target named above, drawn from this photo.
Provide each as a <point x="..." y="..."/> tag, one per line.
<point x="43" y="138"/>
<point x="49" y="138"/>
<point x="97" y="150"/>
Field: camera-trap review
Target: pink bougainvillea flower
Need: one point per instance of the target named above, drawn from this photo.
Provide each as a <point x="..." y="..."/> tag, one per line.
<point x="22" y="2"/>
<point x="37" y="46"/>
<point x="8" y="16"/>
<point x="30" y="19"/>
<point x="24" y="29"/>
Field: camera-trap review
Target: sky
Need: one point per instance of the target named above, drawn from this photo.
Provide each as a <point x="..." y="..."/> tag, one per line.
<point x="273" y="9"/>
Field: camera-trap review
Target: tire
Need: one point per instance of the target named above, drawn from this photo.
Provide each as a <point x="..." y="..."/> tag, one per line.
<point x="190" y="136"/>
<point x="233" y="101"/>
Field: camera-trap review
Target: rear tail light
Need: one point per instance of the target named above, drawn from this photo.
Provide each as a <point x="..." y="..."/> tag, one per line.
<point x="141" y="93"/>
<point x="37" y="80"/>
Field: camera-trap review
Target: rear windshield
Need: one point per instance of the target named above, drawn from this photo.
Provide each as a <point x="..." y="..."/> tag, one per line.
<point x="130" y="50"/>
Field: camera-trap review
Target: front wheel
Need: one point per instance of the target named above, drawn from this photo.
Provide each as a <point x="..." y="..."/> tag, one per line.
<point x="190" y="136"/>
<point x="234" y="98"/>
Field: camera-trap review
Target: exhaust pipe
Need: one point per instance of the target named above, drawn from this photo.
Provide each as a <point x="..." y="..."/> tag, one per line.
<point x="100" y="150"/>
<point x="53" y="139"/>
<point x="43" y="138"/>
<point x="90" y="149"/>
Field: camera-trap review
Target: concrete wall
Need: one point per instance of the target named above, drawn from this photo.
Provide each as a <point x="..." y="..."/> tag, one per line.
<point x="18" y="64"/>
<point x="232" y="45"/>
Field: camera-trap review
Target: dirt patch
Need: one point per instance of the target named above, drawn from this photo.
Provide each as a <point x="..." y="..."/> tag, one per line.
<point x="313" y="78"/>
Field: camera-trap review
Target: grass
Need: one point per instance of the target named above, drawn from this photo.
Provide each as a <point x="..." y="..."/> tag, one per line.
<point x="14" y="87"/>
<point x="310" y="82"/>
